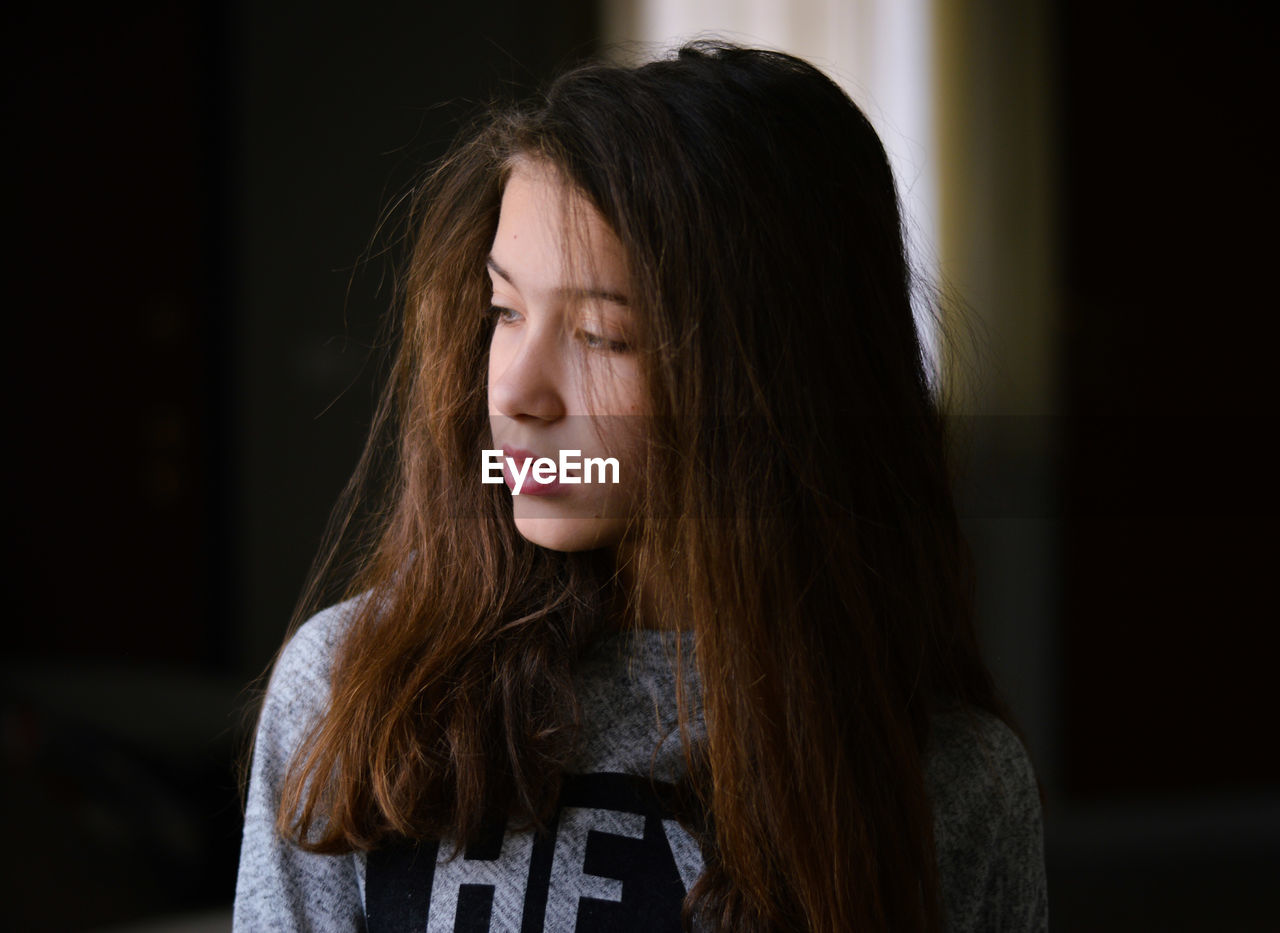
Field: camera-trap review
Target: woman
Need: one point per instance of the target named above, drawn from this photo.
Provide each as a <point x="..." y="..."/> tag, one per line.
<point x="728" y="678"/>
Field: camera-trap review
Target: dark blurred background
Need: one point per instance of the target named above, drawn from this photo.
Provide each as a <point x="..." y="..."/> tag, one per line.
<point x="198" y="265"/>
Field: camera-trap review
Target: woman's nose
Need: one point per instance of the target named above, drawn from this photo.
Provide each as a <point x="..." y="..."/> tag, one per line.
<point x="525" y="376"/>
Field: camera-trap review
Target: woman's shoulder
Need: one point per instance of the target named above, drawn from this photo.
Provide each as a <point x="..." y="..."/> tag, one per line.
<point x="987" y="823"/>
<point x="279" y="885"/>
<point x="973" y="752"/>
<point x="979" y="775"/>
<point x="298" y="690"/>
<point x="308" y="655"/>
<point x="296" y="696"/>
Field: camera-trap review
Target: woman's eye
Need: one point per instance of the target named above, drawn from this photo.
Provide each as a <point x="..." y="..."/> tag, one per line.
<point x="503" y="315"/>
<point x="598" y="342"/>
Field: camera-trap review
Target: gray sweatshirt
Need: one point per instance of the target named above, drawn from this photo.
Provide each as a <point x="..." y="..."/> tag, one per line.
<point x="614" y="858"/>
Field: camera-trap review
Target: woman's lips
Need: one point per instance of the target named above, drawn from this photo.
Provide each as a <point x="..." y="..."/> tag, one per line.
<point x="531" y="486"/>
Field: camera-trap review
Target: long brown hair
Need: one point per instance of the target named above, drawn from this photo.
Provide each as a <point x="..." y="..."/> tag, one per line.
<point x="797" y="512"/>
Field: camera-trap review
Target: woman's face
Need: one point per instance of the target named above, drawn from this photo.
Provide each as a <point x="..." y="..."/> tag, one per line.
<point x="563" y="374"/>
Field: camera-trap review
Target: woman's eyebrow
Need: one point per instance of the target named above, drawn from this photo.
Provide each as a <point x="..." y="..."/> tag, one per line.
<point x="498" y="270"/>
<point x="603" y="294"/>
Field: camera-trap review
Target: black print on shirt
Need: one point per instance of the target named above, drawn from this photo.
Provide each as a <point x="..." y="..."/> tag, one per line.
<point x="615" y="859"/>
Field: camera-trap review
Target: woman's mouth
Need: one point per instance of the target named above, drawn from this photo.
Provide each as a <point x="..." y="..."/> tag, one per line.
<point x="521" y="469"/>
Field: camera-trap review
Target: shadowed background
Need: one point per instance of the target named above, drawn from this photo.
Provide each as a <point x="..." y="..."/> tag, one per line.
<point x="197" y="271"/>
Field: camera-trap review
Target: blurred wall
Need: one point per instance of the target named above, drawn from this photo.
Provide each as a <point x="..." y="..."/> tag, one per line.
<point x="1116" y="493"/>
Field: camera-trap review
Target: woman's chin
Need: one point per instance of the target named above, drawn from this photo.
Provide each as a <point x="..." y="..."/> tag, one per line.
<point x="571" y="534"/>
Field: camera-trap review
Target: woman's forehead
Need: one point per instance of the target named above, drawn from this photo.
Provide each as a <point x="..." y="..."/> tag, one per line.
<point x="551" y="238"/>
